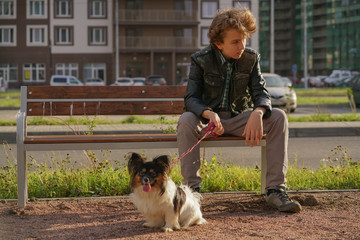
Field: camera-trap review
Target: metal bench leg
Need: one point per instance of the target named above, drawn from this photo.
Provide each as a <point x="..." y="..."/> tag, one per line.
<point x="21" y="157"/>
<point x="263" y="169"/>
<point x="22" y="176"/>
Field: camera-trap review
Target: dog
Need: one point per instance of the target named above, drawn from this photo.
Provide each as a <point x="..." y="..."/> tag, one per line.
<point x="162" y="203"/>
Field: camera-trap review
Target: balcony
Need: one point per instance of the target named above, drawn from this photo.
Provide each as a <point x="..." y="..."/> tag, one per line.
<point x="321" y="33"/>
<point x="161" y="17"/>
<point x="147" y="43"/>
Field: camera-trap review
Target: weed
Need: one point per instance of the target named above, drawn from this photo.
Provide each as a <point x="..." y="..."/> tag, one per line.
<point x="105" y="176"/>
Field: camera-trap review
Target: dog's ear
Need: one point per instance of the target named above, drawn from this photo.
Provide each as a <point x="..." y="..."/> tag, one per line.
<point x="164" y="162"/>
<point x="134" y="160"/>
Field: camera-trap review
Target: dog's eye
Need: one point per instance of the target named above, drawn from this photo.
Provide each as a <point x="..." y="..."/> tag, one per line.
<point x="153" y="174"/>
<point x="141" y="174"/>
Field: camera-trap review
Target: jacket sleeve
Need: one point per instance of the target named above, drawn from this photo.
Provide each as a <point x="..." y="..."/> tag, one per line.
<point x="258" y="91"/>
<point x="194" y="91"/>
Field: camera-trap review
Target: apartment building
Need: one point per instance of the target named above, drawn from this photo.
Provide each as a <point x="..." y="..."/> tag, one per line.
<point x="333" y="36"/>
<point x="39" y="38"/>
<point x="158" y="37"/>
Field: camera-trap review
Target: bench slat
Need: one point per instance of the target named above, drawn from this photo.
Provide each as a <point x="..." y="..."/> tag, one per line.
<point x="113" y="138"/>
<point x="93" y="92"/>
<point x="105" y="108"/>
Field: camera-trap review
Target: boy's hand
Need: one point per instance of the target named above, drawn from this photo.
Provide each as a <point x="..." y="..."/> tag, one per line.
<point x="254" y="127"/>
<point x="214" y="117"/>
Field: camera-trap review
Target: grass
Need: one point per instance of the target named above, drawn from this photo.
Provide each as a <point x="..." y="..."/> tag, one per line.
<point x="351" y="117"/>
<point x="321" y="92"/>
<point x="109" y="177"/>
<point x="302" y="100"/>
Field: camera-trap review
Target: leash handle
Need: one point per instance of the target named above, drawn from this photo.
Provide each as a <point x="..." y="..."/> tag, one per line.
<point x="210" y="128"/>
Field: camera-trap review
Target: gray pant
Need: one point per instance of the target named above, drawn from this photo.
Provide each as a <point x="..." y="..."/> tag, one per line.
<point x="190" y="129"/>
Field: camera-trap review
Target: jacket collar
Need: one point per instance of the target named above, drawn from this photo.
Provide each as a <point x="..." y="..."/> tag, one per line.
<point x="220" y="57"/>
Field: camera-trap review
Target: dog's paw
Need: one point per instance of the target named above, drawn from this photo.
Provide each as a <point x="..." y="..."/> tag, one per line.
<point x="167" y="229"/>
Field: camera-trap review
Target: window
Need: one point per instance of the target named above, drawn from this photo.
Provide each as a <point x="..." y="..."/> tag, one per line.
<point x="97" y="9"/>
<point x="95" y="70"/>
<point x="97" y="35"/>
<point x="63" y="35"/>
<point x="7" y="35"/>
<point x="244" y="4"/>
<point x="34" y="72"/>
<point x="63" y="8"/>
<point x="36" y="9"/>
<point x="204" y="38"/>
<point x="7" y="9"/>
<point x="36" y="35"/>
<point x="69" y="69"/>
<point x="9" y="72"/>
<point x="209" y="8"/>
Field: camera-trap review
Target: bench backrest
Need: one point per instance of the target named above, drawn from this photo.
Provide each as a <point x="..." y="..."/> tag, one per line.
<point x="102" y="100"/>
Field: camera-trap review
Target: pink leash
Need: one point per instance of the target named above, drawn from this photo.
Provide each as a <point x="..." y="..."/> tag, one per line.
<point x="208" y="131"/>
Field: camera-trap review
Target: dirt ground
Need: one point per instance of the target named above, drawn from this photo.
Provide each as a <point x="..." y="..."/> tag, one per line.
<point x="325" y="215"/>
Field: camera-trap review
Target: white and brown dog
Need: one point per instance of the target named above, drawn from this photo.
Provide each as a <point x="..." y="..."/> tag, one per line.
<point x="163" y="204"/>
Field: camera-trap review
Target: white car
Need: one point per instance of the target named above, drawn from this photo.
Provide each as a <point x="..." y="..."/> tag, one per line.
<point x="282" y="96"/>
<point x="63" y="80"/>
<point x="94" y="82"/>
<point x="139" y="81"/>
<point x="336" y="76"/>
<point x="123" y="81"/>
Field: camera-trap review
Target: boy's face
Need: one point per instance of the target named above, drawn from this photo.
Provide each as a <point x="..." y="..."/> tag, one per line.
<point x="233" y="44"/>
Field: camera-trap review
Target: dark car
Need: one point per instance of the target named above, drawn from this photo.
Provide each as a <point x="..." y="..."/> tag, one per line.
<point x="354" y="84"/>
<point x="183" y="82"/>
<point x="155" y="80"/>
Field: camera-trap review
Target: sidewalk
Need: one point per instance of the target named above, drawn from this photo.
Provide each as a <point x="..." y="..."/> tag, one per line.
<point x="296" y="129"/>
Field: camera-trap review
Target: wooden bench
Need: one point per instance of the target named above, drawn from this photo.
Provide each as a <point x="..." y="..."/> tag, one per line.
<point x="107" y="100"/>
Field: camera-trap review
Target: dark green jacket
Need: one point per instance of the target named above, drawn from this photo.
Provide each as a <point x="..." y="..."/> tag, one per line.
<point x="207" y="78"/>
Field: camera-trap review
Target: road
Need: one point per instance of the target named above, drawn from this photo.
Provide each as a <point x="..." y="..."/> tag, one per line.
<point x="307" y="151"/>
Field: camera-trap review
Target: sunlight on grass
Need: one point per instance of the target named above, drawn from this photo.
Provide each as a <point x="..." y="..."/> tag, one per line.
<point x="109" y="177"/>
<point x="321" y="92"/>
<point x="321" y="100"/>
<point x="326" y="118"/>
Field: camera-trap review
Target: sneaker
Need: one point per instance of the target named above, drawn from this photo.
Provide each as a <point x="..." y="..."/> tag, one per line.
<point x="277" y="198"/>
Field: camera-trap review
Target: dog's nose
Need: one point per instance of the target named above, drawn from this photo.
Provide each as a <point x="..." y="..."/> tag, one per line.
<point x="146" y="180"/>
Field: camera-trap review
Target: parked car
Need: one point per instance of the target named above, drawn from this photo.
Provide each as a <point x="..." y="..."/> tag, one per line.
<point x="287" y="81"/>
<point x="123" y="81"/>
<point x="3" y="85"/>
<point x="94" y="82"/>
<point x="139" y="81"/>
<point x="183" y="82"/>
<point x="155" y="80"/>
<point x="336" y="76"/>
<point x="282" y="96"/>
<point x="354" y="84"/>
<point x="344" y="82"/>
<point x="63" y="80"/>
<point x="315" y="81"/>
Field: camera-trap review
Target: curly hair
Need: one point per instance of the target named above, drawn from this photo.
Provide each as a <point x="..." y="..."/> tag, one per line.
<point x="232" y="18"/>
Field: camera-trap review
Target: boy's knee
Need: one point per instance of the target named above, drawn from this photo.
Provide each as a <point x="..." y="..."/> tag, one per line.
<point x="279" y="114"/>
<point x="187" y="119"/>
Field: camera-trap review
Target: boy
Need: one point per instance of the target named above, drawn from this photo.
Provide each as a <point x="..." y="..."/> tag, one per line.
<point x="226" y="87"/>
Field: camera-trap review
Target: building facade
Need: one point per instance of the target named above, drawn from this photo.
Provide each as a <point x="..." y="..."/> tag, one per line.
<point x="40" y="38"/>
<point x="158" y="37"/>
<point x="333" y="34"/>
